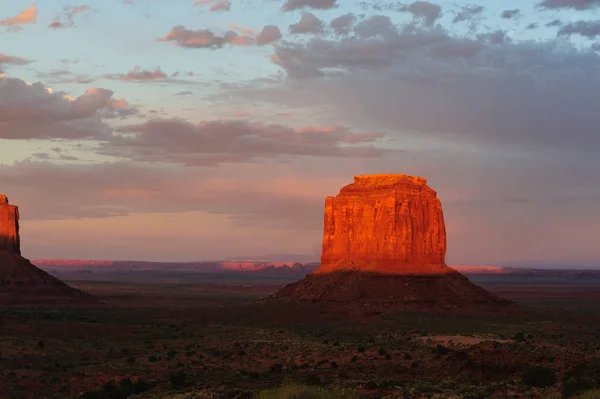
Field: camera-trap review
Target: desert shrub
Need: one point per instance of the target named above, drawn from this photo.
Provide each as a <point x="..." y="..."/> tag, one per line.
<point x="583" y="377"/>
<point x="539" y="377"/>
<point x="177" y="379"/>
<point x="595" y="394"/>
<point x="361" y="349"/>
<point x="294" y="391"/>
<point x="441" y="350"/>
<point x="334" y="365"/>
<point x="519" y="337"/>
<point x="276" y="368"/>
<point x="381" y="351"/>
<point x="354" y="358"/>
<point x="124" y="389"/>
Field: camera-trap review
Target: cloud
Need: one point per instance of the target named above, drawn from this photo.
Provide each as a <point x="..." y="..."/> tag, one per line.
<point x="392" y="78"/>
<point x="11" y="60"/>
<point x="468" y="13"/>
<point x="424" y="10"/>
<point x="589" y="29"/>
<point x="64" y="76"/>
<point x="510" y="14"/>
<point x="233" y="141"/>
<point x="204" y="38"/>
<point x="33" y="111"/>
<point x="27" y="16"/>
<point x="268" y="34"/>
<point x="138" y="74"/>
<point x="216" y="5"/>
<point x="343" y="24"/>
<point x="243" y="29"/>
<point x="308" y="23"/>
<point x="70" y="12"/>
<point x="575" y="4"/>
<point x="291" y="5"/>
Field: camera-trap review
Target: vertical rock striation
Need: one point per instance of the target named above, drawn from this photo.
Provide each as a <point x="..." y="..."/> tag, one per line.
<point x="384" y="247"/>
<point x="384" y="224"/>
<point x="9" y="227"/>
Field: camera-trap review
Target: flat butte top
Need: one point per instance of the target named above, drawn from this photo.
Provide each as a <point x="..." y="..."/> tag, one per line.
<point x="385" y="181"/>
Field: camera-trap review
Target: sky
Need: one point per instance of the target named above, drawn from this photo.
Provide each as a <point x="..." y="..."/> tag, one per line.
<point x="187" y="130"/>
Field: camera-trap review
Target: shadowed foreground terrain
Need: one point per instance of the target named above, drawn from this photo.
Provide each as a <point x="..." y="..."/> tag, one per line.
<point x="212" y="340"/>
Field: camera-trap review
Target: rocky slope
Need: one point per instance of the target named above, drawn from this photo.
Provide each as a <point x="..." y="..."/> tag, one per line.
<point x="20" y="281"/>
<point x="384" y="245"/>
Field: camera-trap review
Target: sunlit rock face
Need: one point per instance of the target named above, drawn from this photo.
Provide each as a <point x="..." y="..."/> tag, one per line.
<point x="9" y="227"/>
<point x="386" y="223"/>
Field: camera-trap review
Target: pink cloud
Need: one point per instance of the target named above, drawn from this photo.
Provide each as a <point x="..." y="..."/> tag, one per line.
<point x="204" y="38"/>
<point x="27" y="16"/>
<point x="233" y="141"/>
<point x="216" y="5"/>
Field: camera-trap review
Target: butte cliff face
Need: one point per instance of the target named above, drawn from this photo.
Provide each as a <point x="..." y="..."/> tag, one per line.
<point x="384" y="245"/>
<point x="385" y="224"/>
<point x="20" y="281"/>
<point x="9" y="227"/>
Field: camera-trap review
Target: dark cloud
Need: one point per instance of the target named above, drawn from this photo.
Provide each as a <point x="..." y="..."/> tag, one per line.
<point x="139" y="74"/>
<point x="374" y="26"/>
<point x="589" y="29"/>
<point x="575" y="4"/>
<point x="11" y="60"/>
<point x="468" y="13"/>
<point x="308" y="23"/>
<point x="510" y="14"/>
<point x="556" y="22"/>
<point x="424" y="10"/>
<point x="291" y="5"/>
<point x="544" y="92"/>
<point x="220" y="6"/>
<point x="233" y="141"/>
<point x="268" y="34"/>
<point x="343" y="24"/>
<point x="32" y="111"/>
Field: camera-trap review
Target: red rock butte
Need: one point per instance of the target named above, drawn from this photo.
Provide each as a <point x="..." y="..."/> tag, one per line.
<point x="20" y="281"/>
<point x="384" y="244"/>
<point x="386" y="223"/>
<point x="9" y="227"/>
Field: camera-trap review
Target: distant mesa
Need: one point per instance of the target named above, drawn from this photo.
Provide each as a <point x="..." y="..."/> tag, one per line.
<point x="384" y="244"/>
<point x="20" y="281"/>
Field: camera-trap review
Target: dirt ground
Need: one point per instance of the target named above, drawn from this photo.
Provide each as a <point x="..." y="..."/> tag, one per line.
<point x="216" y="338"/>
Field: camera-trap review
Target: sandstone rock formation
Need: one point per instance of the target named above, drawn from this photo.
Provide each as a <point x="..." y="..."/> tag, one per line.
<point x="384" y="243"/>
<point x="20" y="281"/>
<point x="9" y="226"/>
<point x="385" y="224"/>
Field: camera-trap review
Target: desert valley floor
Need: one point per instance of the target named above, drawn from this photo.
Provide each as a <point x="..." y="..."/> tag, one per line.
<point x="210" y="338"/>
